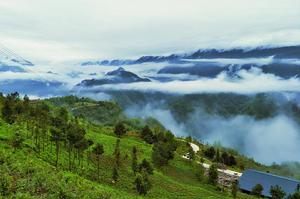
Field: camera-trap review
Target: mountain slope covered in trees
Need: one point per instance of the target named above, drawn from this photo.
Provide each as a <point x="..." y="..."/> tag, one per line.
<point x="47" y="151"/>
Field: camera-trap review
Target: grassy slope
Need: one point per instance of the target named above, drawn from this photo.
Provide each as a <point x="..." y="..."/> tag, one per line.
<point x="32" y="177"/>
<point x="108" y="112"/>
<point x="35" y="176"/>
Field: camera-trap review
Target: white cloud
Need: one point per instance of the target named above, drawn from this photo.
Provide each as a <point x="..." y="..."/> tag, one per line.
<point x="64" y="29"/>
<point x="253" y="81"/>
<point x="165" y="117"/>
<point x="270" y="140"/>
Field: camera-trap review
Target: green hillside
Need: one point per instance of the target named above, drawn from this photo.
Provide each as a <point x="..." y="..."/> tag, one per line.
<point x="53" y="149"/>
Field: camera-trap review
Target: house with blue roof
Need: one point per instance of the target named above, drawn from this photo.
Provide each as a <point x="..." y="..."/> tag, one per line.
<point x="251" y="177"/>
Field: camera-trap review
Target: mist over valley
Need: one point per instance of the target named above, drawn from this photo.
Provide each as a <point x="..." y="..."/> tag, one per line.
<point x="234" y="97"/>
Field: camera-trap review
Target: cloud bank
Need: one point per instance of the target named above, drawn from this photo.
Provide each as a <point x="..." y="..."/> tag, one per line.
<point x="267" y="141"/>
<point x="50" y="31"/>
<point x="247" y="82"/>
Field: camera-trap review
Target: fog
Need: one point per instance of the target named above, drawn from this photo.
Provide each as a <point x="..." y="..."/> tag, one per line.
<point x="271" y="140"/>
<point x="267" y="141"/>
<point x="244" y="82"/>
<point x="253" y="81"/>
<point x="164" y="116"/>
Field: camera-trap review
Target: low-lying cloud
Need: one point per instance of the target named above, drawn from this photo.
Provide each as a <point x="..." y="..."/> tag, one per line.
<point x="270" y="140"/>
<point x="163" y="115"/>
<point x="247" y="82"/>
<point x="267" y="141"/>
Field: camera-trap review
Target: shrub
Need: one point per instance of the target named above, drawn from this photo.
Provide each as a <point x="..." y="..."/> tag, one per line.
<point x="213" y="174"/>
<point x="257" y="190"/>
<point x="142" y="184"/>
<point x="147" y="135"/>
<point x="145" y="166"/>
<point x="120" y="129"/>
<point x="210" y="152"/>
<point x="277" y="192"/>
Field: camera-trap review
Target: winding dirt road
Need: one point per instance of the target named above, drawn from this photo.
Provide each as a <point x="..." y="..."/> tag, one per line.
<point x="224" y="171"/>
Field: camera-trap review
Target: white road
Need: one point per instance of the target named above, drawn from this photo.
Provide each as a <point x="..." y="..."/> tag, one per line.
<point x="195" y="147"/>
<point x="225" y="171"/>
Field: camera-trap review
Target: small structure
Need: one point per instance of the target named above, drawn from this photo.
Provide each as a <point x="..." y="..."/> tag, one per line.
<point x="251" y="177"/>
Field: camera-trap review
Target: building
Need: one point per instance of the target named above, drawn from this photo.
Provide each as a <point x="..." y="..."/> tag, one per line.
<point x="251" y="177"/>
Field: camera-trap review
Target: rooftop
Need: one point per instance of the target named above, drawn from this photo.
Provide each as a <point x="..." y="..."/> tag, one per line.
<point x="251" y="177"/>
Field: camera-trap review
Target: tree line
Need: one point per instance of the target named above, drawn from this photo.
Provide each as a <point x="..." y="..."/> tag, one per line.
<point x="57" y="129"/>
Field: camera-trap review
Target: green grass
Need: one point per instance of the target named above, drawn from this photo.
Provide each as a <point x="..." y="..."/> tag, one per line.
<point x="30" y="172"/>
<point x="33" y="175"/>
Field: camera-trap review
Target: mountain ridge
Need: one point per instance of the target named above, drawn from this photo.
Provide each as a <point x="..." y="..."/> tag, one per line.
<point x="284" y="52"/>
<point x="114" y="77"/>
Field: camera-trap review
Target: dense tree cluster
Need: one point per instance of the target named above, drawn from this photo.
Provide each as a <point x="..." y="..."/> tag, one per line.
<point x="120" y="129"/>
<point x="164" y="148"/>
<point x="224" y="157"/>
<point x="228" y="160"/>
<point x="147" y="135"/>
<point x="259" y="106"/>
<point x="210" y="152"/>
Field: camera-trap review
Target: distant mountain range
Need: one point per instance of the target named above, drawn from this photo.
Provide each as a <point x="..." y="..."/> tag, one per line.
<point x="287" y="52"/>
<point x="283" y="70"/>
<point x="209" y="62"/>
<point x="114" y="77"/>
<point x="283" y="62"/>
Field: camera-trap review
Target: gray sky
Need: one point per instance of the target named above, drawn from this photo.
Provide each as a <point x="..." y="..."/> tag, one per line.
<point x="60" y="30"/>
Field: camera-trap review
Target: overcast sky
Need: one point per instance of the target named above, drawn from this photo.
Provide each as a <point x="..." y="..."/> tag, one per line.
<point x="60" y="30"/>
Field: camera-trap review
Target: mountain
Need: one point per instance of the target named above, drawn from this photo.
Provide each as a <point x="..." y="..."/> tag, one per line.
<point x="286" y="52"/>
<point x="212" y="69"/>
<point x="280" y="61"/>
<point x="114" y="77"/>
